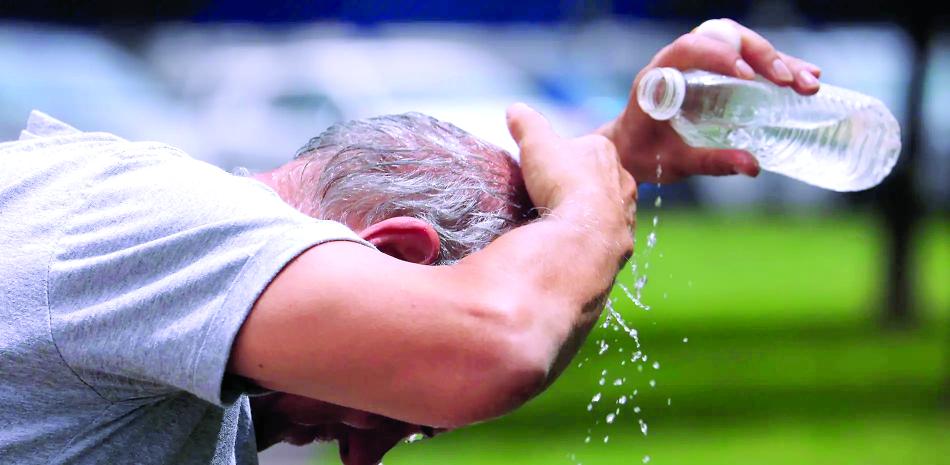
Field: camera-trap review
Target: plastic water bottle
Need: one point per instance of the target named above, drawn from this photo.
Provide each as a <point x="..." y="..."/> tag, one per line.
<point x="837" y="139"/>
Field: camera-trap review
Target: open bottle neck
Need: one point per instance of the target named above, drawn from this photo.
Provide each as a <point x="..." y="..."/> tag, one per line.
<point x="661" y="92"/>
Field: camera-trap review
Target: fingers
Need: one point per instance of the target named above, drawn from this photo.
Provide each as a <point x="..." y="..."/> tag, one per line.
<point x="806" y="74"/>
<point x="698" y="51"/>
<point x="717" y="162"/>
<point x="775" y="66"/>
<point x="763" y="57"/>
<point x="628" y="193"/>
<point x="525" y="124"/>
<point x="367" y="447"/>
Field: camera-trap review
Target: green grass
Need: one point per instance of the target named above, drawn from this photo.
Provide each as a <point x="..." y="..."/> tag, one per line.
<point x="786" y="362"/>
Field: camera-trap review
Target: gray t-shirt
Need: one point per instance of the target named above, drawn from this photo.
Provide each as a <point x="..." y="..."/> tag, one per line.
<point x="126" y="271"/>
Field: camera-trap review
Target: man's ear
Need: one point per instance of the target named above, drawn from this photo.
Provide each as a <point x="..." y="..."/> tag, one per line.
<point x="409" y="239"/>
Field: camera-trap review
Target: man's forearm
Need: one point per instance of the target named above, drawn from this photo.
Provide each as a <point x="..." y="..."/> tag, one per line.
<point x="564" y="266"/>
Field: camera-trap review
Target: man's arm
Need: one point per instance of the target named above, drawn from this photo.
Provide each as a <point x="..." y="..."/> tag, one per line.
<point x="447" y="346"/>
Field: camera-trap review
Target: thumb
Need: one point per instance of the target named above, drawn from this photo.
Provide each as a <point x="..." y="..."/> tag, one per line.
<point x="525" y="123"/>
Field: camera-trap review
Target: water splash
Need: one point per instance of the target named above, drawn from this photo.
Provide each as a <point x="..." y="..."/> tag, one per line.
<point x="646" y="459"/>
<point x="618" y="323"/>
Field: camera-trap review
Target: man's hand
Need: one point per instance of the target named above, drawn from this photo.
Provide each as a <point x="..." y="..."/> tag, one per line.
<point x="640" y="139"/>
<point x="363" y="437"/>
<point x="580" y="181"/>
<point x="585" y="171"/>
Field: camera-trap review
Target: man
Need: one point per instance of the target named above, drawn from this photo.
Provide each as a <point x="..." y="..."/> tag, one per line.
<point x="144" y="294"/>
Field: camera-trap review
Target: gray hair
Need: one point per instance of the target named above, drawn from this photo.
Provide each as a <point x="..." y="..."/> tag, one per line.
<point x="414" y="165"/>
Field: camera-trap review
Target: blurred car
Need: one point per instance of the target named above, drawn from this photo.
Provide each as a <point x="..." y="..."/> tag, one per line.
<point x="88" y="82"/>
<point x="262" y="98"/>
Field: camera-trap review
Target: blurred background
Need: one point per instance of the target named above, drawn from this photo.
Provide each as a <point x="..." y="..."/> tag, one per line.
<point x="787" y="324"/>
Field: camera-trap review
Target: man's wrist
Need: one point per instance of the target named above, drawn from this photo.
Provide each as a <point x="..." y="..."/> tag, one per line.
<point x="595" y="216"/>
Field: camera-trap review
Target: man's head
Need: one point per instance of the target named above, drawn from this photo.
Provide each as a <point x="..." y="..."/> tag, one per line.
<point x="418" y="188"/>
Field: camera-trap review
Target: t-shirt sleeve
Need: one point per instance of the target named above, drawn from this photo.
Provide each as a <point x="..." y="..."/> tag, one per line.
<point x="160" y="262"/>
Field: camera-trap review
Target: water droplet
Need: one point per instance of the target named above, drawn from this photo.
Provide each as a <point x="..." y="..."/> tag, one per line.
<point x="651" y="239"/>
<point x="643" y="427"/>
<point x="623" y="362"/>
<point x="636" y="356"/>
<point x="669" y="400"/>
<point x="587" y="440"/>
<point x="652" y="383"/>
<point x="622" y="400"/>
<point x="633" y="333"/>
<point x="618" y="382"/>
<point x="603" y="373"/>
<point x="639" y="367"/>
<point x="656" y="220"/>
<point x="606" y="438"/>
<point x="610" y="418"/>
<point x="601" y="381"/>
<point x="596" y="398"/>
<point x="664" y="295"/>
<point x="635" y="392"/>
<point x="656" y="365"/>
<point x="658" y="202"/>
<point x="636" y="409"/>
<point x="646" y="459"/>
<point x="644" y="357"/>
<point x="414" y="438"/>
<point x="590" y="407"/>
<point x="685" y="340"/>
<point x="640" y="283"/>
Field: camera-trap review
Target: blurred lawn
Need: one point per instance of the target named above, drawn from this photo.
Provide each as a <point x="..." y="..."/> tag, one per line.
<point x="785" y="361"/>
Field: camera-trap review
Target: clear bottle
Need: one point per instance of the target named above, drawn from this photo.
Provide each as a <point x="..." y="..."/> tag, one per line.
<point x="837" y="139"/>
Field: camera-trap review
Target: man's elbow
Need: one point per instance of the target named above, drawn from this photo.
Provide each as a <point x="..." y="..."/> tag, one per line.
<point x="517" y="362"/>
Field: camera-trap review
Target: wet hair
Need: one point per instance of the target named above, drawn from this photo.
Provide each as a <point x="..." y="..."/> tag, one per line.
<point x="414" y="165"/>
